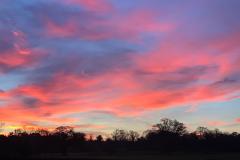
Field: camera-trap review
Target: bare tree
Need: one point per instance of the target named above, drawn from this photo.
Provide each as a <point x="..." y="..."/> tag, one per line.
<point x="19" y="132"/>
<point x="42" y="132"/>
<point x="120" y="135"/>
<point x="202" y="131"/>
<point x="171" y="126"/>
<point x="64" y="130"/>
<point x="133" y="136"/>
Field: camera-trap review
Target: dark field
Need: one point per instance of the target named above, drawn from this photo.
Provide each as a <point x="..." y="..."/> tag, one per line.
<point x="170" y="156"/>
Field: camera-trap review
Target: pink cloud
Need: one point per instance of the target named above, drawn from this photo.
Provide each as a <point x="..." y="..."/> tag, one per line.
<point x="92" y="5"/>
<point x="217" y="123"/>
<point x="127" y="27"/>
<point x="21" y="55"/>
<point x="141" y="21"/>
<point x="164" y="77"/>
<point x="238" y="120"/>
<point x="169" y="80"/>
<point x="72" y="29"/>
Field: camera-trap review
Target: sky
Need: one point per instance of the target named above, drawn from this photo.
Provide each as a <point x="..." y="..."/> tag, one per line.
<point x="99" y="65"/>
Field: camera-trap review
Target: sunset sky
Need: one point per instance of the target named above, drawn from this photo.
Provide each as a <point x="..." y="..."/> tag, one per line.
<point x="99" y="65"/>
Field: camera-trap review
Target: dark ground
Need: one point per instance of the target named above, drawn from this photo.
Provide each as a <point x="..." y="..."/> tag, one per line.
<point x="141" y="156"/>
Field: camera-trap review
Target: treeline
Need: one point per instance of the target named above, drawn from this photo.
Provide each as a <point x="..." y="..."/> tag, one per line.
<point x="166" y="136"/>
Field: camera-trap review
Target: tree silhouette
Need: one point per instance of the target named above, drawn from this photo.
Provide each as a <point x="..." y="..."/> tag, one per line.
<point x="42" y="132"/>
<point x="170" y="126"/>
<point x="99" y="138"/>
<point x="202" y="131"/>
<point x="120" y="135"/>
<point x="1" y="127"/>
<point x="133" y="136"/>
<point x="164" y="137"/>
<point x="64" y="130"/>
